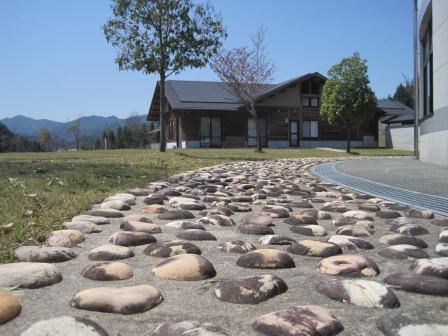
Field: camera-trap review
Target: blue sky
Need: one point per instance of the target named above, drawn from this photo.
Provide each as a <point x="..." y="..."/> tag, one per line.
<point x="56" y="64"/>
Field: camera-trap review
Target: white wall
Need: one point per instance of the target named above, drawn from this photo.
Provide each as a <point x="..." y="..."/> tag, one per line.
<point x="400" y="136"/>
<point x="434" y="148"/>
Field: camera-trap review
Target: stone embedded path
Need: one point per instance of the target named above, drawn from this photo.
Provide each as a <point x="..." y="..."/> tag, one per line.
<point x="249" y="248"/>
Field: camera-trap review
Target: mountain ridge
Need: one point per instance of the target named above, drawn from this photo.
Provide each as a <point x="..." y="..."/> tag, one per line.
<point x="92" y="126"/>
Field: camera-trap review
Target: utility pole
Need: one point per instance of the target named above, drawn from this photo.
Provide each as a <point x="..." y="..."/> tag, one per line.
<point x="416" y="83"/>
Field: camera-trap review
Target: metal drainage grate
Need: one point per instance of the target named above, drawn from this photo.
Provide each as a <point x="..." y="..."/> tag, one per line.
<point x="416" y="199"/>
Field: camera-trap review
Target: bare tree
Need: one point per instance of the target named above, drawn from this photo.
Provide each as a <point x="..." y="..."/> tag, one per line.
<point x="245" y="72"/>
<point x="75" y="129"/>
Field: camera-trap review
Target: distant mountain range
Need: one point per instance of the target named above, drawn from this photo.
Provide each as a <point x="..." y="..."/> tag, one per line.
<point x="91" y="126"/>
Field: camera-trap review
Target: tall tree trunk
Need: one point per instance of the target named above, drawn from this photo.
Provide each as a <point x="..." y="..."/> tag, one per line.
<point x="349" y="135"/>
<point x="162" y="113"/>
<point x="257" y="127"/>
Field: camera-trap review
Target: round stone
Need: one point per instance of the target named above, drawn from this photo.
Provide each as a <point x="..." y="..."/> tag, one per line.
<point x="165" y="250"/>
<point x="424" y="214"/>
<point x="349" y="243"/>
<point x="364" y="293"/>
<point x="309" y="230"/>
<point x="355" y="230"/>
<point x="299" y="321"/>
<point x="138" y="192"/>
<point x="237" y="246"/>
<point x="217" y="220"/>
<point x="185" y="267"/>
<point x="358" y="214"/>
<point x="110" y="252"/>
<point x="44" y="253"/>
<point x="276" y="211"/>
<point x="251" y="290"/>
<point x="439" y="221"/>
<point x="176" y="215"/>
<point x="176" y="202"/>
<point x="154" y="209"/>
<point x="403" y="251"/>
<point x="409" y="229"/>
<point x="119" y="300"/>
<point x="92" y="219"/>
<point x="116" y="205"/>
<point x="154" y="199"/>
<point x="314" y="248"/>
<point x="276" y="240"/>
<point x="221" y="210"/>
<point x="300" y="220"/>
<point x="194" y="234"/>
<point x="102" y="212"/>
<point x="140" y="227"/>
<point x="418" y="283"/>
<point x="186" y="328"/>
<point x="348" y="265"/>
<point x="442" y="249"/>
<point x="65" y="326"/>
<point x="335" y="206"/>
<point x="83" y="227"/>
<point x="126" y="198"/>
<point x="29" y="275"/>
<point x="184" y="225"/>
<point x="257" y="218"/>
<point x="65" y="238"/>
<point x="10" y="306"/>
<point x="343" y="221"/>
<point x="138" y="218"/>
<point x="405" y="325"/>
<point x="266" y="258"/>
<point x="240" y="207"/>
<point x="107" y="270"/>
<point x="397" y="239"/>
<point x="387" y="214"/>
<point x="434" y="266"/>
<point x="193" y="206"/>
<point x="255" y="229"/>
<point x="129" y="238"/>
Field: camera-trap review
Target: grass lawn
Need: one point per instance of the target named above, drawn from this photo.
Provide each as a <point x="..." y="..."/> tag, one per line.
<point x="39" y="191"/>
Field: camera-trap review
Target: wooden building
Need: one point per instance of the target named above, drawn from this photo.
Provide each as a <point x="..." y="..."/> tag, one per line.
<point x="207" y="114"/>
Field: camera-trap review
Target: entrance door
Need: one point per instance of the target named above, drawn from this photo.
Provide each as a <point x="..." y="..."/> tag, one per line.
<point x="294" y="133"/>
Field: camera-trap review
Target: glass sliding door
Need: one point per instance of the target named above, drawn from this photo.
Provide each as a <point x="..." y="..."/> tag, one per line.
<point x="216" y="132"/>
<point x="294" y="133"/>
<point x="211" y="132"/>
<point x="252" y="132"/>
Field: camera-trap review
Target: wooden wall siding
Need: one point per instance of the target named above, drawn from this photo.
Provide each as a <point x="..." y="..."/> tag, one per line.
<point x="235" y="123"/>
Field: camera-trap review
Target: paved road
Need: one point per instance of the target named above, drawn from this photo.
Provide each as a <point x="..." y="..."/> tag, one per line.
<point x="405" y="173"/>
<point x="401" y="180"/>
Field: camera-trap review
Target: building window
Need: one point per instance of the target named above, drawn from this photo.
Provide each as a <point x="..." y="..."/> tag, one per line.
<point x="305" y="101"/>
<point x="311" y="129"/>
<point x="211" y="132"/>
<point x="310" y="101"/>
<point x="427" y="72"/>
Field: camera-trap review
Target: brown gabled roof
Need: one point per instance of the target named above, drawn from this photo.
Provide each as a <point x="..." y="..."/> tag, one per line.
<point x="202" y="95"/>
